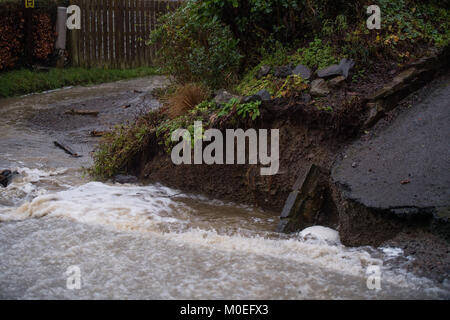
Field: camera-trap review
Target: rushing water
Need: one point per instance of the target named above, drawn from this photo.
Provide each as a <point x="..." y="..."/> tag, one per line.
<point x="153" y="242"/>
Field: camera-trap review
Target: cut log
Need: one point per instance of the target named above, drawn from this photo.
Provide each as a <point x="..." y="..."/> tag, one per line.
<point x="95" y="133"/>
<point x="67" y="149"/>
<point x="74" y="112"/>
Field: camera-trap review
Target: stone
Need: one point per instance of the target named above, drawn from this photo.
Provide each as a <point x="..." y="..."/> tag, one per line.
<point x="124" y="179"/>
<point x="330" y="71"/>
<point x="376" y="112"/>
<point x="263" y="71"/>
<point x="346" y="66"/>
<point x="381" y="93"/>
<point x="307" y="204"/>
<point x="336" y="82"/>
<point x="223" y="96"/>
<point x="6" y="177"/>
<point x="262" y="95"/>
<point x="3" y="181"/>
<point x="341" y="69"/>
<point x="319" y="88"/>
<point x="283" y="71"/>
<point x="306" y="98"/>
<point x="302" y="71"/>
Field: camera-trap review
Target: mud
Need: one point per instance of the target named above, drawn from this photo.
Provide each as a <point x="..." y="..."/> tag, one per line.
<point x="306" y="136"/>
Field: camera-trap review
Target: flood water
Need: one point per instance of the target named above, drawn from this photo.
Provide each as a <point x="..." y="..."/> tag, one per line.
<point x="149" y="241"/>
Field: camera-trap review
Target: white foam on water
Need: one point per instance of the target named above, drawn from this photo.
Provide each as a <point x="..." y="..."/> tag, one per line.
<point x="392" y="252"/>
<point x="35" y="253"/>
<point x="28" y="185"/>
<point x="143" y="214"/>
<point x="121" y="207"/>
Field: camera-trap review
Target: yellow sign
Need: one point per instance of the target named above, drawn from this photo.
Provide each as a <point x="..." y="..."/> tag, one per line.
<point x="29" y="3"/>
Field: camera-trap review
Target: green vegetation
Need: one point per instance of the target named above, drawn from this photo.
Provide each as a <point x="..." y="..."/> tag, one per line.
<point x="168" y="126"/>
<point x="250" y="85"/>
<point x="318" y="54"/>
<point x="243" y="110"/>
<point x="224" y="44"/>
<point x="415" y="22"/>
<point x="19" y="82"/>
<point x="196" y="50"/>
<point x="122" y="144"/>
<point x="278" y="88"/>
<point x="292" y="85"/>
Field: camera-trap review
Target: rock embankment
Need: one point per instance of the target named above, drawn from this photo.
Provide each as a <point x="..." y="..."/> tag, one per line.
<point x="393" y="179"/>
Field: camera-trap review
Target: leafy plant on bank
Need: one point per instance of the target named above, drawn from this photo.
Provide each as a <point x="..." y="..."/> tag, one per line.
<point x="243" y="110"/>
<point x="193" y="49"/>
<point x="119" y="146"/>
<point x="292" y="85"/>
<point x="318" y="54"/>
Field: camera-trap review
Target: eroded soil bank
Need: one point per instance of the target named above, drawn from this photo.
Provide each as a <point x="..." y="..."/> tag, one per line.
<point x="310" y="136"/>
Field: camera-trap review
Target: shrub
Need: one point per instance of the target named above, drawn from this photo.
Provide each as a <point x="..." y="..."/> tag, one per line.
<point x="317" y="55"/>
<point x="407" y="28"/>
<point x="256" y="22"/>
<point x="292" y="85"/>
<point x="250" y="109"/>
<point x="196" y="50"/>
<point x="120" y="146"/>
<point x="250" y="85"/>
<point x="185" y="98"/>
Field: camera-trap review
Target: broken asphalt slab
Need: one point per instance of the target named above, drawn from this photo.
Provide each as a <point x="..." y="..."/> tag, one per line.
<point x="404" y="168"/>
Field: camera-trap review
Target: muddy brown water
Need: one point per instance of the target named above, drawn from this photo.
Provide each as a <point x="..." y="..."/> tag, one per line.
<point x="150" y="241"/>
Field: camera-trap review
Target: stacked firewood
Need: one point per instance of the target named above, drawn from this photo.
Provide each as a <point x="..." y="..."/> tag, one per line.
<point x="11" y="38"/>
<point x="44" y="36"/>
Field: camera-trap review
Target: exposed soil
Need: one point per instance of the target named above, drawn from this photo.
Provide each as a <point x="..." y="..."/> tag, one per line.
<point x="430" y="254"/>
<point x="307" y="136"/>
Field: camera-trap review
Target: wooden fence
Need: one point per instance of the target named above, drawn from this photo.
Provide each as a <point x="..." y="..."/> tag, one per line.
<point x="113" y="32"/>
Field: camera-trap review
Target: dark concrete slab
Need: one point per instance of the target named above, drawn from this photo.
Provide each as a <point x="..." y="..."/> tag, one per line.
<point x="406" y="164"/>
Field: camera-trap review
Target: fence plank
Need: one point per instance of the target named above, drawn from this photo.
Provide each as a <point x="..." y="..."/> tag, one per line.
<point x="105" y="33"/>
<point x="117" y="47"/>
<point x="144" y="28"/>
<point x="113" y="32"/>
<point x="138" y="29"/>
<point x="83" y="29"/>
<point x="134" y="34"/>
<point x="148" y="27"/>
<point x="153" y="17"/>
<point x="124" y="35"/>
<point x="110" y="34"/>
<point x="97" y="38"/>
<point x="88" y="43"/>
<point x="145" y="31"/>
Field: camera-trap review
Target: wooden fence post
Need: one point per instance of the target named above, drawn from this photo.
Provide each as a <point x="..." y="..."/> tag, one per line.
<point x="28" y="15"/>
